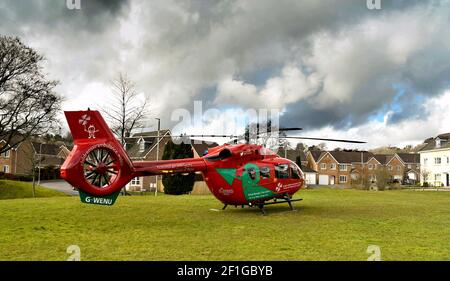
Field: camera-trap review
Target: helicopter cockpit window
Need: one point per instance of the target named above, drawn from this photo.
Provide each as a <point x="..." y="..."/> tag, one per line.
<point x="295" y="173"/>
<point x="282" y="171"/>
<point x="265" y="172"/>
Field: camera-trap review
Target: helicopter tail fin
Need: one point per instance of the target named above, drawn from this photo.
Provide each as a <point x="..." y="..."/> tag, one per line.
<point x="98" y="164"/>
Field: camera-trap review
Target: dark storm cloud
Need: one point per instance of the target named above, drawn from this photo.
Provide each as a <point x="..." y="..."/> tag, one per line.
<point x="94" y="16"/>
<point x="205" y="41"/>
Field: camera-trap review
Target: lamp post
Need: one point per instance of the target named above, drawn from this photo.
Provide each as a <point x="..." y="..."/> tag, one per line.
<point x="157" y="153"/>
<point x="34" y="175"/>
<point x="39" y="167"/>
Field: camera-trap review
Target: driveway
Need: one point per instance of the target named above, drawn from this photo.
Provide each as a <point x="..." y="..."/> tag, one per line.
<point x="60" y="185"/>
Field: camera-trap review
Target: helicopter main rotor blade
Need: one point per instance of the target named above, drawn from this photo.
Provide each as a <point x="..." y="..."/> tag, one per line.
<point x="280" y="130"/>
<point x="206" y="136"/>
<point x="193" y="136"/>
<point x="324" y="139"/>
<point x="213" y="135"/>
<point x="289" y="129"/>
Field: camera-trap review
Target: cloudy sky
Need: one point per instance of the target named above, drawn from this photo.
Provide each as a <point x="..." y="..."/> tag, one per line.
<point x="335" y="68"/>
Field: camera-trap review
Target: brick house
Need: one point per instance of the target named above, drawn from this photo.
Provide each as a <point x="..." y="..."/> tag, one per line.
<point x="341" y="167"/>
<point x="312" y="157"/>
<point x="50" y="154"/>
<point x="143" y="147"/>
<point x="375" y="165"/>
<point x="294" y="155"/>
<point x="404" y="168"/>
<point x="19" y="160"/>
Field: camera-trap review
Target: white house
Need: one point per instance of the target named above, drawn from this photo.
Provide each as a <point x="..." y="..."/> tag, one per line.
<point x="435" y="161"/>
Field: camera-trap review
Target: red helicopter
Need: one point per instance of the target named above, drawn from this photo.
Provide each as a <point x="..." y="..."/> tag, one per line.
<point x="236" y="174"/>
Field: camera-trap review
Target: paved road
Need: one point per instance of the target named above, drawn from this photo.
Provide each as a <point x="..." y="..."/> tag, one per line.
<point x="60" y="185"/>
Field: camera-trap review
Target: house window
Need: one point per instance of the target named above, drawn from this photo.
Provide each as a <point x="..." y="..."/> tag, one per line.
<point x="437" y="177"/>
<point x="5" y="169"/>
<point x="343" y="167"/>
<point x="142" y="146"/>
<point x="5" y="154"/>
<point x="437" y="160"/>
<point x="370" y="166"/>
<point x="136" y="181"/>
<point x="448" y="160"/>
<point x="389" y="167"/>
<point x="333" y="166"/>
<point x="342" y="179"/>
<point x="323" y="166"/>
<point x="438" y="143"/>
<point x="409" y="166"/>
<point x="425" y="161"/>
<point x="399" y="168"/>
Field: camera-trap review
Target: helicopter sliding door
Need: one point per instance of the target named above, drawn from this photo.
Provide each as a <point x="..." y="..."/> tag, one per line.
<point x="255" y="181"/>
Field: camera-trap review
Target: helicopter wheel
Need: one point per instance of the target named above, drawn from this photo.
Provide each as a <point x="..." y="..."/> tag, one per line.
<point x="101" y="168"/>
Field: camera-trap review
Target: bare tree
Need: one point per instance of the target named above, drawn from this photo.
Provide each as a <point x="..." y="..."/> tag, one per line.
<point x="126" y="111"/>
<point x="28" y="105"/>
<point x="424" y="173"/>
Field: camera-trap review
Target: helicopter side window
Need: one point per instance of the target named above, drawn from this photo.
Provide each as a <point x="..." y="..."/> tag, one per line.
<point x="264" y="172"/>
<point x="252" y="173"/>
<point x="294" y="172"/>
<point x="282" y="171"/>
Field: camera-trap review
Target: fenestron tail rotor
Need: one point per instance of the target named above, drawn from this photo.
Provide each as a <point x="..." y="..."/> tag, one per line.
<point x="100" y="167"/>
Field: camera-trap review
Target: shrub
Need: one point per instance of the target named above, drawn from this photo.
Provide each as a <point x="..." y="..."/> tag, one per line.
<point x="15" y="177"/>
<point x="24" y="177"/>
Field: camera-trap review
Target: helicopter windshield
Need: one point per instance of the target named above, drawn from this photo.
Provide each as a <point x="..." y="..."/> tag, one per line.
<point x="266" y="151"/>
<point x="295" y="171"/>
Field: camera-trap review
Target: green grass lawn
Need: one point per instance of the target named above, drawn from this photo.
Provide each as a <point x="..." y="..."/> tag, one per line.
<point x="329" y="225"/>
<point x="17" y="189"/>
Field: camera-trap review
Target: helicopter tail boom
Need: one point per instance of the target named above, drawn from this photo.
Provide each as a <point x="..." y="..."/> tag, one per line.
<point x="176" y="166"/>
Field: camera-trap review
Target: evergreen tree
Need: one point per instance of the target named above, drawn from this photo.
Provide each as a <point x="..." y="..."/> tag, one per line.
<point x="178" y="184"/>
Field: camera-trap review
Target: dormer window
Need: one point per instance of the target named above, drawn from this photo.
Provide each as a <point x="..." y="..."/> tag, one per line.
<point x="438" y="142"/>
<point x="141" y="146"/>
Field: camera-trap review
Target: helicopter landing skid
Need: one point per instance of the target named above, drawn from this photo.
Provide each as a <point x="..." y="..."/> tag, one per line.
<point x="287" y="199"/>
